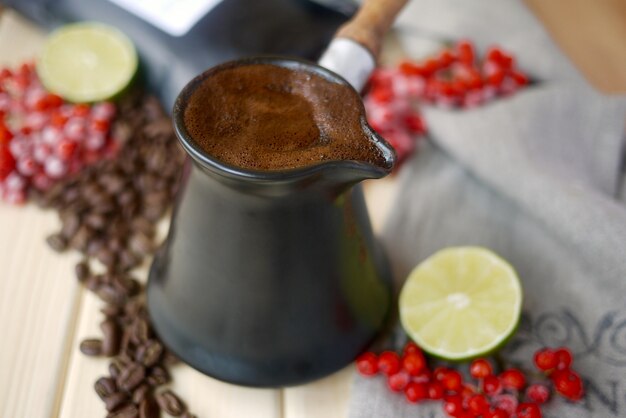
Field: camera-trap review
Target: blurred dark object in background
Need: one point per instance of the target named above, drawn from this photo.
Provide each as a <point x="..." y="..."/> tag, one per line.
<point x="234" y="28"/>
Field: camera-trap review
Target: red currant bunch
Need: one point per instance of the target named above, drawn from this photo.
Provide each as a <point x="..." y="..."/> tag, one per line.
<point x="487" y="394"/>
<point x="44" y="139"/>
<point x="455" y="77"/>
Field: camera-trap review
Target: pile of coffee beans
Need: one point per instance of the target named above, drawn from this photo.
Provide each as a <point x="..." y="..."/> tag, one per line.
<point x="109" y="213"/>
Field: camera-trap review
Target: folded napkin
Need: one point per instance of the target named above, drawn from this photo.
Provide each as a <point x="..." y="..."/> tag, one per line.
<point x="538" y="178"/>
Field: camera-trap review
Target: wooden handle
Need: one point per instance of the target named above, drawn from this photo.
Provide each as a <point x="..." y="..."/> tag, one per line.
<point x="370" y="24"/>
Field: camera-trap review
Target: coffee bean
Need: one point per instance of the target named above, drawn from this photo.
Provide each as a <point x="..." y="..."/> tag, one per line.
<point x="131" y="376"/>
<point x="127" y="285"/>
<point x="104" y="387"/>
<point x="170" y="359"/>
<point x="70" y="226"/>
<point x="149" y="408"/>
<point x="149" y="353"/>
<point x="112" y="295"/>
<point x="106" y="256"/>
<point x="57" y="242"/>
<point x="114" y="370"/>
<point x="126" y="198"/>
<point x="93" y="246"/>
<point x="80" y="240"/>
<point x="128" y="260"/>
<point x="114" y="400"/>
<point x="111" y="310"/>
<point x="112" y="337"/>
<point x="96" y="221"/>
<point x="170" y="403"/>
<point x="91" y="347"/>
<point x="141" y="392"/>
<point x="128" y="411"/>
<point x="113" y="183"/>
<point x="141" y="244"/>
<point x="93" y="283"/>
<point x="158" y="376"/>
<point x="109" y="211"/>
<point x="139" y="331"/>
<point x="82" y="271"/>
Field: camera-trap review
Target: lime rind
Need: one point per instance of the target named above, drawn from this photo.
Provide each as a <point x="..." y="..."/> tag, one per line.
<point x="435" y="283"/>
<point x="87" y="62"/>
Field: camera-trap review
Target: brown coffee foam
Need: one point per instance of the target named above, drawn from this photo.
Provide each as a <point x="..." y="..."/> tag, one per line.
<point x="267" y="117"/>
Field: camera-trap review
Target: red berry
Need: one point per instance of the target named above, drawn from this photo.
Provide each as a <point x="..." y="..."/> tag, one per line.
<point x="465" y="52"/>
<point x="513" y="379"/>
<point x="5" y="134"/>
<point x="497" y="413"/>
<point x="568" y="383"/>
<point x="389" y="363"/>
<point x="65" y="150"/>
<point x="563" y="358"/>
<point x="478" y="404"/>
<point x="367" y="364"/>
<point x="424" y="376"/>
<point x="492" y="385"/>
<point x="415" y="123"/>
<point x="382" y="94"/>
<point x="494" y="54"/>
<point x="80" y="110"/>
<point x="411" y="348"/>
<point x="452" y="381"/>
<point x="99" y="125"/>
<point x="431" y="65"/>
<point x="528" y="410"/>
<point x="445" y="58"/>
<point x="7" y="162"/>
<point x="520" y="79"/>
<point x="506" y="402"/>
<point x="545" y="359"/>
<point x="435" y="390"/>
<point x="414" y="363"/>
<point x="453" y="405"/>
<point x="411" y="68"/>
<point x="538" y="393"/>
<point x="439" y="373"/>
<point x="506" y="60"/>
<point x="397" y="382"/>
<point x="480" y="368"/>
<point x="52" y="101"/>
<point x="416" y="392"/>
<point x="467" y="391"/>
<point x="58" y="119"/>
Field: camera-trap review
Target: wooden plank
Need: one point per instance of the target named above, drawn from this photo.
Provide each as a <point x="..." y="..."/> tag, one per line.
<point x="325" y="398"/>
<point x="38" y="307"/>
<point x="38" y="295"/>
<point x="592" y="34"/>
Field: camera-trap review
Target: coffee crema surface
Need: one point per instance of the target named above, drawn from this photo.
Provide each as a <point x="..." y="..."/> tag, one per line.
<point x="268" y="117"/>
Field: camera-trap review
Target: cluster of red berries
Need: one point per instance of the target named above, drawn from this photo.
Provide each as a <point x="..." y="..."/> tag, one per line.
<point x="506" y="395"/>
<point x="453" y="78"/>
<point x="43" y="138"/>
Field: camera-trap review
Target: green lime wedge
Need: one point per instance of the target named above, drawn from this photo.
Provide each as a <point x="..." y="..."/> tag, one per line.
<point x="87" y="62"/>
<point x="461" y="302"/>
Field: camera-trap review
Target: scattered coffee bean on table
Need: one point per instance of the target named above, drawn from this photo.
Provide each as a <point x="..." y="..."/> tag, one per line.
<point x="109" y="212"/>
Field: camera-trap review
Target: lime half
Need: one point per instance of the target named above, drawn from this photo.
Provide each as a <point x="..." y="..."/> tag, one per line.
<point x="461" y="302"/>
<point x="87" y="62"/>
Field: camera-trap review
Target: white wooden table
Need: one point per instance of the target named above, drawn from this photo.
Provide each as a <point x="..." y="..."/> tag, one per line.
<point x="44" y="314"/>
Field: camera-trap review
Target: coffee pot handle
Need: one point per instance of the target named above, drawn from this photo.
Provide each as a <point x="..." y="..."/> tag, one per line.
<point x="370" y="24"/>
<point x="355" y="48"/>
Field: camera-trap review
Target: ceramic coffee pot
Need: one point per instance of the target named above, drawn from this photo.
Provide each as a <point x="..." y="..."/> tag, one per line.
<point x="274" y="278"/>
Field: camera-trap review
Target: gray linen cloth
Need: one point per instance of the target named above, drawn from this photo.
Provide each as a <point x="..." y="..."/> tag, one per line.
<point x="538" y="178"/>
